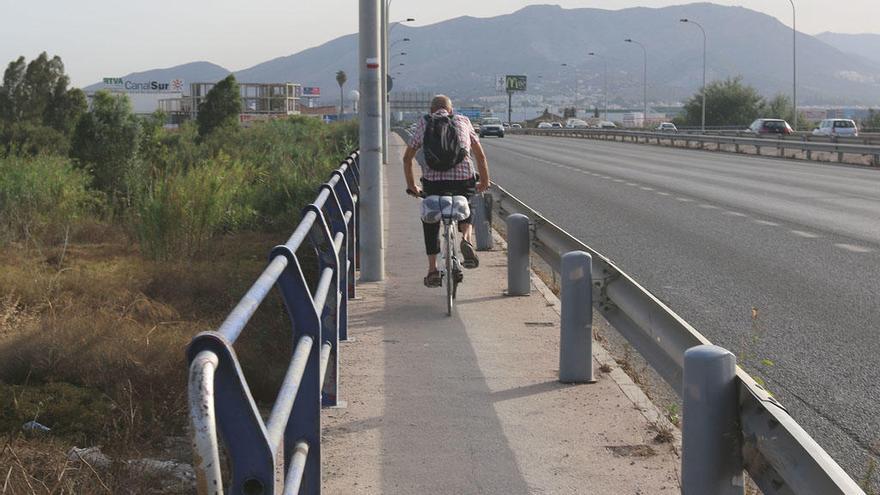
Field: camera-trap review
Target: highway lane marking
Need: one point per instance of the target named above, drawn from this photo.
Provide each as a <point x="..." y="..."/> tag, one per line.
<point x="735" y="214"/>
<point x="684" y="200"/>
<point x="617" y="180"/>
<point x="646" y="188"/>
<point x="661" y="193"/>
<point x="804" y="234"/>
<point x="708" y="206"/>
<point x="854" y="249"/>
<point x="767" y="222"/>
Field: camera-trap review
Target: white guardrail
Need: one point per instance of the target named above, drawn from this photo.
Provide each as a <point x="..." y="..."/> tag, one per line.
<point x="776" y="452"/>
<point x="804" y="144"/>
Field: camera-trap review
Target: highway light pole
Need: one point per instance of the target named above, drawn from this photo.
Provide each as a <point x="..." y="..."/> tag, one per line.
<point x="695" y="23"/>
<point x="372" y="244"/>
<point x="386" y="110"/>
<point x="645" y="51"/>
<point x="605" y="91"/>
<point x="794" y="62"/>
<point x="576" y="89"/>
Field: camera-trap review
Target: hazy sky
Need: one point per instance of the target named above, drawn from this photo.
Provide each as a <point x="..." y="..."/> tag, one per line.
<point x="98" y="38"/>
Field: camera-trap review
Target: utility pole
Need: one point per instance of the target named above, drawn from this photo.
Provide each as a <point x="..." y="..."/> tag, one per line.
<point x="794" y="62"/>
<point x="645" y="51"/>
<point x="372" y="242"/>
<point x="383" y="75"/>
<point x="703" y="127"/>
<point x="605" y="91"/>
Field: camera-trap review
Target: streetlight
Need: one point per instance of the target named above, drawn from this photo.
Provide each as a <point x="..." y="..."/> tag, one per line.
<point x="576" y="88"/>
<point x="645" y="50"/>
<point x="605" y="91"/>
<point x="695" y="23"/>
<point x="794" y="61"/>
<point x="385" y="37"/>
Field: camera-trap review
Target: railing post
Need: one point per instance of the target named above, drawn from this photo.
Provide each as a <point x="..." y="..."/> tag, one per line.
<point x="576" y="326"/>
<point x="482" y="221"/>
<point x="711" y="462"/>
<point x="518" y="247"/>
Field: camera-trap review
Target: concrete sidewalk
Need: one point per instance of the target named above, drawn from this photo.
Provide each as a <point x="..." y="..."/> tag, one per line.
<point x="471" y="404"/>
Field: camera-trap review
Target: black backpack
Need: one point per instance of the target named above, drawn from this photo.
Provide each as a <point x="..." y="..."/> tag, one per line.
<point x="441" y="145"/>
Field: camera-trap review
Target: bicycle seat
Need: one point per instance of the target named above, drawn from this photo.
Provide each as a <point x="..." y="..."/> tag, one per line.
<point x="437" y="208"/>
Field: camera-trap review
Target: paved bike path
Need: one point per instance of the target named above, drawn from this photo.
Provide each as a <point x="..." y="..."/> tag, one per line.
<point x="470" y="403"/>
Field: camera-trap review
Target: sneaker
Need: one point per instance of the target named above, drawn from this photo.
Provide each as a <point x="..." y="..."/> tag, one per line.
<point x="433" y="279"/>
<point x="469" y="254"/>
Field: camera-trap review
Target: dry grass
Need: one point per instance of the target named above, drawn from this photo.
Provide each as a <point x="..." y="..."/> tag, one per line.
<point x="92" y="345"/>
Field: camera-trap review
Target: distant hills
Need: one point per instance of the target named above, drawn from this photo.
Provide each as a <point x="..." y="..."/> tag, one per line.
<point x="461" y="56"/>
<point x="864" y="45"/>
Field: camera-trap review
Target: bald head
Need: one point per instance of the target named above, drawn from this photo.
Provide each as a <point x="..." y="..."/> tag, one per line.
<point x="441" y="102"/>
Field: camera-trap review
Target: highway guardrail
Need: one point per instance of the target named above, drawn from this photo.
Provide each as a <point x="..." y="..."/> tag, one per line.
<point x="283" y="454"/>
<point x="777" y="453"/>
<point x="808" y="147"/>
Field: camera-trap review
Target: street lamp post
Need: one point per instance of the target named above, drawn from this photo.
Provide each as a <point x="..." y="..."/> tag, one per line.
<point x="703" y="127"/>
<point x="604" y="91"/>
<point x="385" y="34"/>
<point x="645" y="50"/>
<point x="794" y="62"/>
<point x="576" y="88"/>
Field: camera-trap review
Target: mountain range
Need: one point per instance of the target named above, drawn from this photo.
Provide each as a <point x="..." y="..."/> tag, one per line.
<point x="462" y="56"/>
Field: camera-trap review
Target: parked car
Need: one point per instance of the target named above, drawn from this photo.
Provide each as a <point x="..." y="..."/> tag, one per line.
<point x="545" y="125"/>
<point x="770" y="126"/>
<point x="836" y="127"/>
<point x="491" y="126"/>
<point x="507" y="125"/>
<point x="556" y="125"/>
<point x="515" y="126"/>
<point x="576" y="124"/>
<point x="607" y="125"/>
<point x="667" y="127"/>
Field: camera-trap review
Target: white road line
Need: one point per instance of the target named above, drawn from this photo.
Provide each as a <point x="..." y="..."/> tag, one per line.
<point x="805" y="235"/>
<point x="617" y="180"/>
<point x="708" y="206"/>
<point x="767" y="222"/>
<point x="684" y="200"/>
<point x="663" y="193"/>
<point x="735" y="214"/>
<point x="854" y="249"/>
<point x="633" y="184"/>
<point x="646" y="188"/>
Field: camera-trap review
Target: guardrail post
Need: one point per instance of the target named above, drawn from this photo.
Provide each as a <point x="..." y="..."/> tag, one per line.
<point x="576" y="328"/>
<point x="518" y="247"/>
<point x="482" y="221"/>
<point x="711" y="462"/>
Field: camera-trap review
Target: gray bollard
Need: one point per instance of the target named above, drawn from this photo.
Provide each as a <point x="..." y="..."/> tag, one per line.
<point x="711" y="460"/>
<point x="576" y="328"/>
<point x="518" y="246"/>
<point x="481" y="205"/>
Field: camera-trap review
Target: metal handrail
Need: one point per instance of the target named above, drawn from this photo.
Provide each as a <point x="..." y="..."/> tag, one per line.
<point x="283" y="454"/>
<point x="805" y="144"/>
<point x="777" y="453"/>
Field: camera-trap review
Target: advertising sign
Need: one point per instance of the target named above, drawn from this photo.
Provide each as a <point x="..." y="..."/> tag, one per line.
<point x="515" y="83"/>
<point x="129" y="86"/>
<point x="311" y="92"/>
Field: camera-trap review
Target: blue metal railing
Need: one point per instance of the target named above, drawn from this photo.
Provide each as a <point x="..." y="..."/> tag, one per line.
<point x="283" y="454"/>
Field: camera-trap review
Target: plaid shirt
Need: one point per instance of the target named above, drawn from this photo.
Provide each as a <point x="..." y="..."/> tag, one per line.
<point x="466" y="136"/>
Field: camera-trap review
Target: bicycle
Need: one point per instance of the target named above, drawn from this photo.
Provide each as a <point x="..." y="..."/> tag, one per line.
<point x="449" y="209"/>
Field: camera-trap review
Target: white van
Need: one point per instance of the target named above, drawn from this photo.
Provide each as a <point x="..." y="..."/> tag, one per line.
<point x="836" y="127"/>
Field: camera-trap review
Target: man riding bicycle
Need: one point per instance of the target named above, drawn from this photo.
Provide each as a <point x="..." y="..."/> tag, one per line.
<point x="443" y="134"/>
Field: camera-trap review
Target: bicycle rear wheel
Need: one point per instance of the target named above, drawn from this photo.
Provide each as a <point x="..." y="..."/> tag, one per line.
<point x="448" y="234"/>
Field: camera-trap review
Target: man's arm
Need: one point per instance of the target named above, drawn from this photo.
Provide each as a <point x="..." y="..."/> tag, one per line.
<point x="482" y="165"/>
<point x="408" y="169"/>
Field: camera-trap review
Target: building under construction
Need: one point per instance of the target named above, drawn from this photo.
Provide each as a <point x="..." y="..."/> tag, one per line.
<point x="259" y="101"/>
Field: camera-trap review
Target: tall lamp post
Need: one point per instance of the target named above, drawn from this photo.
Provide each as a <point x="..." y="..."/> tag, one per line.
<point x="385" y="33"/>
<point x="605" y="91"/>
<point x="695" y="23"/>
<point x="576" y="88"/>
<point x="645" y="51"/>
<point x="794" y="62"/>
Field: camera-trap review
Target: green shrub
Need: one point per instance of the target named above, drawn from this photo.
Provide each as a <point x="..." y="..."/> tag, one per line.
<point x="181" y="210"/>
<point x="42" y="197"/>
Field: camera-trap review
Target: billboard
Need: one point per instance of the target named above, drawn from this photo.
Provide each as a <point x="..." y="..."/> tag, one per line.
<point x="130" y="86"/>
<point x="311" y="92"/>
<point x="515" y="83"/>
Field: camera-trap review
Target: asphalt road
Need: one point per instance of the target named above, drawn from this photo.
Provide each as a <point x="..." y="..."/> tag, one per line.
<point x="715" y="235"/>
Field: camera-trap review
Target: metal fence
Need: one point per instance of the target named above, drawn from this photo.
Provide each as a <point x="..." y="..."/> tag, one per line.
<point x="804" y="144"/>
<point x="283" y="454"/>
<point x="776" y="452"/>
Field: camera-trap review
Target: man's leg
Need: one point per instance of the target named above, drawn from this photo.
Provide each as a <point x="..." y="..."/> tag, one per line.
<point x="432" y="249"/>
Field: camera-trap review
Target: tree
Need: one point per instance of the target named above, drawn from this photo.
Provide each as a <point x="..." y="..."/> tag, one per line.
<point x="105" y="143"/>
<point x="569" y="113"/>
<point x="341" y="78"/>
<point x="872" y="121"/>
<point x="728" y="102"/>
<point x="221" y="108"/>
<point x="596" y="113"/>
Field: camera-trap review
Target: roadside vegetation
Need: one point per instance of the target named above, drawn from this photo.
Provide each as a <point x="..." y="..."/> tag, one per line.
<point x="120" y="240"/>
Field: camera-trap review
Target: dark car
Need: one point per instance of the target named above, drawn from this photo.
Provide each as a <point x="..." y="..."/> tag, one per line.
<point x="770" y="126"/>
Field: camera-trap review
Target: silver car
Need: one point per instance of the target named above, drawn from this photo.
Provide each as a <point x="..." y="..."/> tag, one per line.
<point x="836" y="127"/>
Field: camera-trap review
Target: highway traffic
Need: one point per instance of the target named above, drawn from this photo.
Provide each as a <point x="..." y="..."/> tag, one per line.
<point x="773" y="259"/>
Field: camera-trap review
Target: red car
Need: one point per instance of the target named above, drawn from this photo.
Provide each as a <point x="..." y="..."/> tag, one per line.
<point x="770" y="126"/>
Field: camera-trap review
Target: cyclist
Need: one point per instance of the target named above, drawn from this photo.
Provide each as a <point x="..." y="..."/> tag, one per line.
<point x="456" y="177"/>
